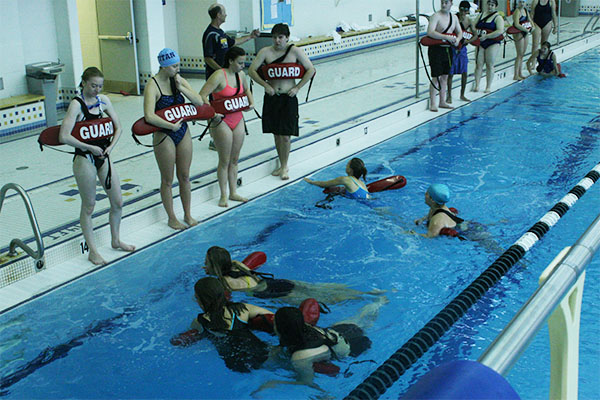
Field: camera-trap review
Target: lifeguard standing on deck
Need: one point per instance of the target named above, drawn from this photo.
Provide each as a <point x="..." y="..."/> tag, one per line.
<point x="284" y="64"/>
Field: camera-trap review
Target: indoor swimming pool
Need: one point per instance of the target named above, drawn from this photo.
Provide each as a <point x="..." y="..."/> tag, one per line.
<point x="507" y="158"/>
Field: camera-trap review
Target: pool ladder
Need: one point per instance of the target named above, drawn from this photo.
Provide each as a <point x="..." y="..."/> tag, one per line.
<point x="38" y="255"/>
<point x="595" y="18"/>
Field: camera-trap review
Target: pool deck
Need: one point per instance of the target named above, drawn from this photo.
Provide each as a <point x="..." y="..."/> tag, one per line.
<point x="354" y="103"/>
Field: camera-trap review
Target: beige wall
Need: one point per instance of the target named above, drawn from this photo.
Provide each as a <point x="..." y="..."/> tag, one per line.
<point x="88" y="30"/>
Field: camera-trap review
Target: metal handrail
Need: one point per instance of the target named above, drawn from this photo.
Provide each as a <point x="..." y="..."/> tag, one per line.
<point x="39" y="254"/>
<point x="595" y="17"/>
<point x="502" y="354"/>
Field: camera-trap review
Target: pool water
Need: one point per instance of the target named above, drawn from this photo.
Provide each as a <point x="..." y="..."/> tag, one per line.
<point x="508" y="158"/>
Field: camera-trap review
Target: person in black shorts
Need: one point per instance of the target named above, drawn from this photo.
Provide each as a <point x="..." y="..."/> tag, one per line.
<point x="280" y="106"/>
<point x="215" y="43"/>
<point x="443" y="25"/>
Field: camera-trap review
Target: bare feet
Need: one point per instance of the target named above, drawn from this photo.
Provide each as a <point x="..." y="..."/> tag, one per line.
<point x="276" y="172"/>
<point x="475" y="89"/>
<point x="118" y="245"/>
<point x="487" y="90"/>
<point x="433" y="109"/>
<point x="190" y="221"/>
<point x="175" y="224"/>
<point x="448" y="100"/>
<point x="223" y="202"/>
<point x="284" y="174"/>
<point x="463" y="98"/>
<point x="96" y="258"/>
<point x="445" y="105"/>
<point x="237" y="197"/>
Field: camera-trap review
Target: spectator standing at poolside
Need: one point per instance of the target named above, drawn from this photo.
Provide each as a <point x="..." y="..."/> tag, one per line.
<point x="280" y="106"/>
<point x="173" y="143"/>
<point x="542" y="12"/>
<point x="443" y="25"/>
<point x="92" y="159"/>
<point x="460" y="59"/>
<point x="521" y="21"/>
<point x="215" y="43"/>
<point x="490" y="30"/>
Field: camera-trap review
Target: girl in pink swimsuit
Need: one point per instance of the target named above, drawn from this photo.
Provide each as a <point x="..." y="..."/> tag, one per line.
<point x="228" y="136"/>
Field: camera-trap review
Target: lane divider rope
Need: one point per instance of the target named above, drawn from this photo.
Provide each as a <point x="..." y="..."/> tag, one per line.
<point x="390" y="371"/>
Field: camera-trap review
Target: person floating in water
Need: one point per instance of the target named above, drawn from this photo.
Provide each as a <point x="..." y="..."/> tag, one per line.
<point x="235" y="276"/>
<point x="354" y="187"/>
<point x="226" y="324"/>
<point x="304" y="344"/>
<point x="439" y="215"/>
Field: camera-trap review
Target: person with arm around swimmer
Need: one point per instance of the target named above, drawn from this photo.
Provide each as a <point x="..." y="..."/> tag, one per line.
<point x="236" y="276"/>
<point x="521" y="21"/>
<point x="226" y="324"/>
<point x="173" y="143"/>
<point x="546" y="61"/>
<point x="92" y="159"/>
<point x="443" y="25"/>
<point x="439" y="216"/>
<point x="280" y="106"/>
<point x="228" y="132"/>
<point x="460" y="59"/>
<point x="306" y="345"/>
<point x="354" y="187"/>
<point x="215" y="43"/>
<point x="490" y="26"/>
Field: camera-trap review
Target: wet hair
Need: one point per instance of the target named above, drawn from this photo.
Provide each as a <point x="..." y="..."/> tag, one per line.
<point x="280" y="29"/>
<point x="211" y="294"/>
<point x="233" y="53"/>
<point x="220" y="265"/>
<point x="90" y="72"/>
<point x="214" y="10"/>
<point x="294" y="333"/>
<point x="493" y="1"/>
<point x="358" y="168"/>
<point x="464" y="5"/>
<point x="547" y="44"/>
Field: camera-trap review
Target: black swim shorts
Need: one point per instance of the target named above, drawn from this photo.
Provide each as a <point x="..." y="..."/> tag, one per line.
<point x="440" y="60"/>
<point x="280" y="115"/>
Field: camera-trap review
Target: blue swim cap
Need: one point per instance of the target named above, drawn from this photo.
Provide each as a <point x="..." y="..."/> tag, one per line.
<point x="439" y="193"/>
<point x="167" y="57"/>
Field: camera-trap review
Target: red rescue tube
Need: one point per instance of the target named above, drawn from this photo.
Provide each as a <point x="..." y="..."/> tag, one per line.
<point x="392" y="182"/>
<point x="84" y="131"/>
<point x="311" y="311"/>
<point x="263" y="322"/>
<point x="513" y="29"/>
<point x="467" y="35"/>
<point x="428" y="41"/>
<point x="187" y="112"/>
<point x="255" y="260"/>
<point x="326" y="368"/>
<point x="389" y="183"/>
<point x="282" y="71"/>
<point x="186" y="338"/>
<point x="232" y="104"/>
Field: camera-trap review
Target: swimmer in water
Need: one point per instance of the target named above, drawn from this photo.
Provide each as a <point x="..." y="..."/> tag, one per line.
<point x="236" y="276"/>
<point x="354" y="187"/>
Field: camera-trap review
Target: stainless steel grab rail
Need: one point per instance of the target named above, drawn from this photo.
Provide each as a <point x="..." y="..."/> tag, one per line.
<point x="595" y="17"/>
<point x="39" y="254"/>
<point x="502" y="354"/>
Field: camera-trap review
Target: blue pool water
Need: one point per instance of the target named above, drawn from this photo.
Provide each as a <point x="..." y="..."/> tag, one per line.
<point x="508" y="159"/>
